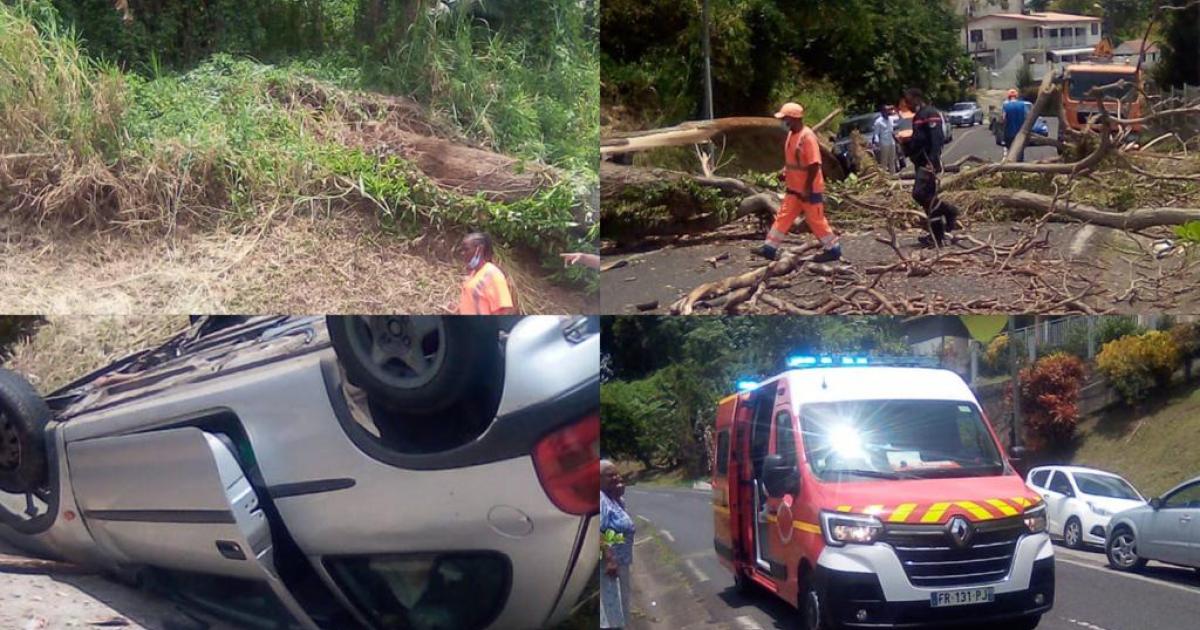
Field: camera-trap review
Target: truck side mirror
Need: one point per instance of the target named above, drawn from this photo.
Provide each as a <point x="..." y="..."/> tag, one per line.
<point x="779" y="476"/>
<point x="1155" y="503"/>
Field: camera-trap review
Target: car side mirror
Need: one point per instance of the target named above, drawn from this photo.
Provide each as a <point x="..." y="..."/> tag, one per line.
<point x="1155" y="503"/>
<point x="1017" y="452"/>
<point x="780" y="477"/>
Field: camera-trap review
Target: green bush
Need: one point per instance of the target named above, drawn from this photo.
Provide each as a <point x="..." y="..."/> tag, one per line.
<point x="1049" y="399"/>
<point x="1136" y="365"/>
<point x="1111" y="328"/>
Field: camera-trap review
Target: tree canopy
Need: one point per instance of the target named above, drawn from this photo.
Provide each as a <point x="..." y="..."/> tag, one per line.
<point x="766" y="50"/>
<point x="665" y="375"/>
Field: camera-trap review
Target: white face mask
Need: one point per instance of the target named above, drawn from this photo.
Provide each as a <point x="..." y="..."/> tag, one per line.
<point x="476" y="259"/>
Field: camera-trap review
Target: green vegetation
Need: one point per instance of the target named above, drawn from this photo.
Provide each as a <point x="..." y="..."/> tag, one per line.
<point x="1180" y="63"/>
<point x="1153" y="446"/>
<point x="857" y="53"/>
<point x="157" y="115"/>
<point x="664" y="376"/>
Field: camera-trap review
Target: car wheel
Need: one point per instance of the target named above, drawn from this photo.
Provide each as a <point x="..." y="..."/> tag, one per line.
<point x="816" y="614"/>
<point x="421" y="364"/>
<point x="23" y="418"/>
<point x="1073" y="534"/>
<point x="1121" y="550"/>
<point x="742" y="584"/>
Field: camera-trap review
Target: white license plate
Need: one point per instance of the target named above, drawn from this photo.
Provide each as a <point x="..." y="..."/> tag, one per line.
<point x="962" y="597"/>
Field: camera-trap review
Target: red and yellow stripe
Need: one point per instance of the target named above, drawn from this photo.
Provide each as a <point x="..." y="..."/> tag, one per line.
<point x="939" y="512"/>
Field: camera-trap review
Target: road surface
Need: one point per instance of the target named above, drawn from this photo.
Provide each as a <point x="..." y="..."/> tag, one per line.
<point x="980" y="142"/>
<point x="1088" y="595"/>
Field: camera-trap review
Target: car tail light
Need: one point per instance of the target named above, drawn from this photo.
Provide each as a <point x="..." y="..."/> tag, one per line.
<point x="568" y="465"/>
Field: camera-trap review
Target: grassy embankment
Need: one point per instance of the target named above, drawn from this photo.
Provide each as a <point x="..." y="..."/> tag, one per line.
<point x="229" y="142"/>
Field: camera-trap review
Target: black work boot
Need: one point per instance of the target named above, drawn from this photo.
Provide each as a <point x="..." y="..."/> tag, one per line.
<point x="829" y="255"/>
<point x="766" y="251"/>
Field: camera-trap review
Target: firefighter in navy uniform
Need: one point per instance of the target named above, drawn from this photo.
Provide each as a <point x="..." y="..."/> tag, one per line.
<point x="925" y="151"/>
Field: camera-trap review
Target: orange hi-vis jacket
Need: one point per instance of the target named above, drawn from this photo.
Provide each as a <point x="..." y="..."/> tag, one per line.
<point x="801" y="151"/>
<point x="485" y="292"/>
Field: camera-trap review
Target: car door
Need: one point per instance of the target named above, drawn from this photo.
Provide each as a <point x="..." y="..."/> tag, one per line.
<point x="1172" y="532"/>
<point x="177" y="500"/>
<point x="1058" y="494"/>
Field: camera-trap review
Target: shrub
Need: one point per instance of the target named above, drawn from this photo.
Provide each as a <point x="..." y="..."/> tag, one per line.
<point x="1049" y="398"/>
<point x="1112" y="328"/>
<point x="1137" y="364"/>
<point x="996" y="355"/>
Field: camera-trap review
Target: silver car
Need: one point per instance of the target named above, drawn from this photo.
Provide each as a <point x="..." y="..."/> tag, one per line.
<point x="377" y="472"/>
<point x="967" y="114"/>
<point x="1166" y="530"/>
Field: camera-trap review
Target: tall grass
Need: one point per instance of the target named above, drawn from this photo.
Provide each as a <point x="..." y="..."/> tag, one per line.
<point x="52" y="96"/>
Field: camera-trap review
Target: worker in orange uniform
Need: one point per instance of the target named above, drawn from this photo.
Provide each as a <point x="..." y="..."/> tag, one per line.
<point x="805" y="188"/>
<point x="485" y="291"/>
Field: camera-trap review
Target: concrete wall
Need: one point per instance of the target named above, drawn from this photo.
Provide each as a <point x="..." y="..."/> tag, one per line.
<point x="1009" y="55"/>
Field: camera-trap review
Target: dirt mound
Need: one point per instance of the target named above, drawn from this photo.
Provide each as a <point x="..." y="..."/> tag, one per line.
<point x="385" y="126"/>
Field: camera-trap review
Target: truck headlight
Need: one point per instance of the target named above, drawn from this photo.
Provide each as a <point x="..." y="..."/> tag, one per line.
<point x="841" y="528"/>
<point x="1035" y="519"/>
<point x="1097" y="510"/>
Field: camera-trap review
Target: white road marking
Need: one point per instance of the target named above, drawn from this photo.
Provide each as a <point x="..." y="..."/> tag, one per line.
<point x="666" y="534"/>
<point x="1132" y="576"/>
<point x="1081" y="240"/>
<point x="1086" y="624"/>
<point x="696" y="572"/>
<point x="747" y="623"/>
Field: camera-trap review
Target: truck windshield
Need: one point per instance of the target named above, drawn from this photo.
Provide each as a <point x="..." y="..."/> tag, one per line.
<point x="1082" y="82"/>
<point x="898" y="439"/>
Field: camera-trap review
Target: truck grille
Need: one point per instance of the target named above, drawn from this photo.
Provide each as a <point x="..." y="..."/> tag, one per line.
<point x="931" y="558"/>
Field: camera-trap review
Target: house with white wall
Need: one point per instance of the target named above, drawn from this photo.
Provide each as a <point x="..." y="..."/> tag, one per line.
<point x="1001" y="43"/>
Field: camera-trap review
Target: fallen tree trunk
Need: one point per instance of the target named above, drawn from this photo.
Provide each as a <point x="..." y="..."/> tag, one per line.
<point x="1138" y="219"/>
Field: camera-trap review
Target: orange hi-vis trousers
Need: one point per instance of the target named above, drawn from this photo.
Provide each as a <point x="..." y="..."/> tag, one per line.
<point x="814" y="216"/>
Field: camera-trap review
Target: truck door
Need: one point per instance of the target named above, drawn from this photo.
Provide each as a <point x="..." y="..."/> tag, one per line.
<point x="760" y="447"/>
<point x="179" y="500"/>
<point x="778" y="534"/>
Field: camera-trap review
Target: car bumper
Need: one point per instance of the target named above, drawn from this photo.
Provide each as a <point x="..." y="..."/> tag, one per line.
<point x="856" y="600"/>
<point x="1094" y="527"/>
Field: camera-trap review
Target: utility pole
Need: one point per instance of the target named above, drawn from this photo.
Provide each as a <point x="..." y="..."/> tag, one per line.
<point x="1013" y="354"/>
<point x="708" y="91"/>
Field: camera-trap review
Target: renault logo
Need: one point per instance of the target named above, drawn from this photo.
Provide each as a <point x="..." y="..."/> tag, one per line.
<point x="959" y="531"/>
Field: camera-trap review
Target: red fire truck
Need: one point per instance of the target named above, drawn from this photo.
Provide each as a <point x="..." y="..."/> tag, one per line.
<point x="876" y="496"/>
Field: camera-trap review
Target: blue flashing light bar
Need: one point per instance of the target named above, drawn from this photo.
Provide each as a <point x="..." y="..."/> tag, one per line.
<point x="806" y="361"/>
<point x="745" y="386"/>
<point x="803" y="361"/>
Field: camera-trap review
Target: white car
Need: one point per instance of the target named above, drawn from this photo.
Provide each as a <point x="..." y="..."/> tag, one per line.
<point x="1080" y="501"/>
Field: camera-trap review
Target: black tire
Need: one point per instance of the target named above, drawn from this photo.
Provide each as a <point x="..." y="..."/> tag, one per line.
<point x="742" y="584"/>
<point x="1073" y="534"/>
<point x="814" y="613"/>
<point x="1119" y="546"/>
<point x="459" y="356"/>
<point x="23" y="418"/>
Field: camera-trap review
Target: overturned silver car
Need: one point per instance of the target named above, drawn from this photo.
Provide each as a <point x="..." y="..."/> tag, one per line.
<point x="377" y="472"/>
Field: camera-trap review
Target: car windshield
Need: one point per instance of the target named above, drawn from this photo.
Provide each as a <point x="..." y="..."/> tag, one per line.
<point x="959" y="107"/>
<point x="864" y="124"/>
<point x="898" y="439"/>
<point x="1082" y="82"/>
<point x="1105" y="486"/>
<point x="425" y="591"/>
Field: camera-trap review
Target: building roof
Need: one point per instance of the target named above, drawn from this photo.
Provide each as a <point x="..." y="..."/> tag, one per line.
<point x="1041" y="18"/>
<point x="1134" y="46"/>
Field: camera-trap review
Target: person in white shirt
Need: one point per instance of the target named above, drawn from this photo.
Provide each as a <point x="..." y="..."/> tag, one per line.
<point x="884" y="139"/>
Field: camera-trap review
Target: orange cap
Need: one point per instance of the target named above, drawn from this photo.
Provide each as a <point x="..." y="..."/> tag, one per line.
<point x="790" y="110"/>
<point x="1012" y="94"/>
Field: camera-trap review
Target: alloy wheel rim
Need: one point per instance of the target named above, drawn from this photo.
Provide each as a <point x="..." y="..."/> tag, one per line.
<point x="404" y="351"/>
<point x="812" y="611"/>
<point x="1124" y="551"/>
<point x="1073" y="533"/>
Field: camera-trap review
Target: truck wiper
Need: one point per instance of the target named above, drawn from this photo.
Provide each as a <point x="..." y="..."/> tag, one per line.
<point x="878" y="474"/>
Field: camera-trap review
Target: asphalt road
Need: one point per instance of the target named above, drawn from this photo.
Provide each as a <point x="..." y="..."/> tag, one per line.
<point x="978" y="141"/>
<point x="1087" y="594"/>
